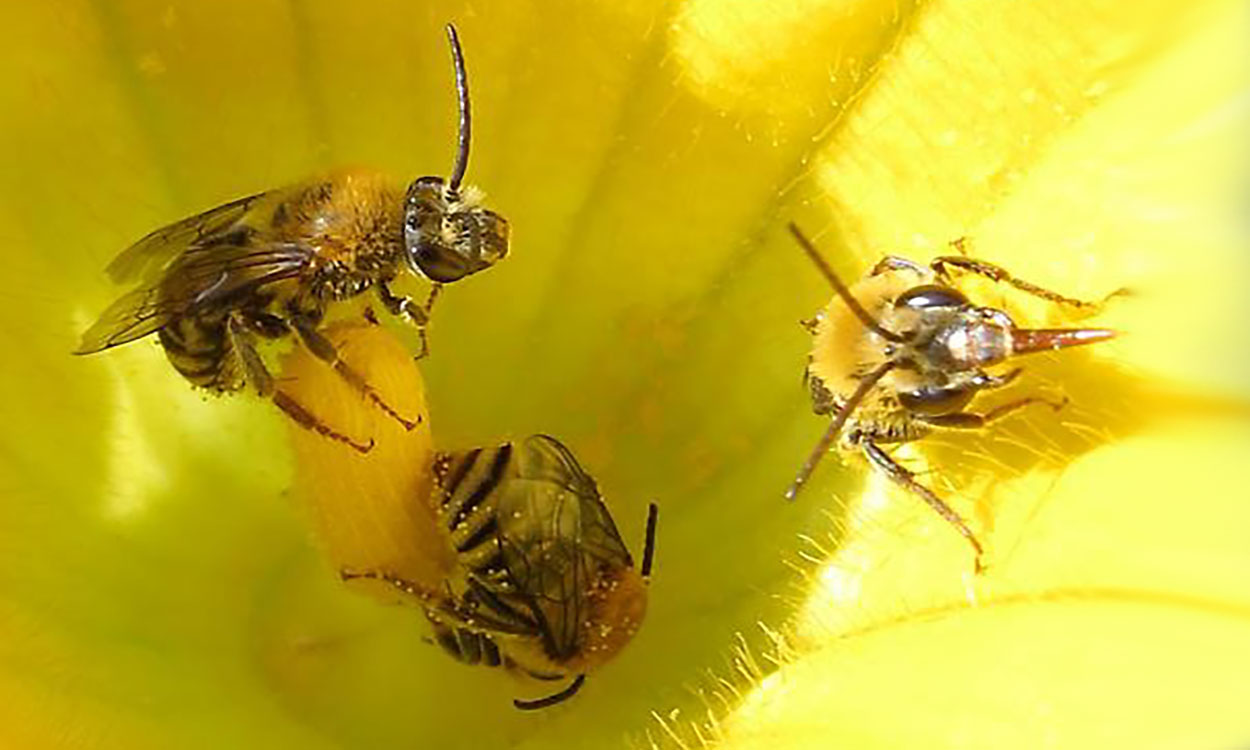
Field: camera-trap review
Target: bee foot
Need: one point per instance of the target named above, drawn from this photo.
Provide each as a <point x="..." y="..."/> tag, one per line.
<point x="408" y="424"/>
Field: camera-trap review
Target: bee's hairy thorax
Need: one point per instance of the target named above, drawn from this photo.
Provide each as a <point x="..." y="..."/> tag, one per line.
<point x="354" y="222"/>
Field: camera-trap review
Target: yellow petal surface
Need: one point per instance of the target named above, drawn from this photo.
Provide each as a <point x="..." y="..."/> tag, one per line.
<point x="168" y="583"/>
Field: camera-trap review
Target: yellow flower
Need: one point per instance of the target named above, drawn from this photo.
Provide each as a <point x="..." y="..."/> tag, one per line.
<point x="161" y="588"/>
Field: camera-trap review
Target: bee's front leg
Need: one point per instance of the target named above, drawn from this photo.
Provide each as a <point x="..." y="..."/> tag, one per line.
<point x="942" y="265"/>
<point x="404" y="307"/>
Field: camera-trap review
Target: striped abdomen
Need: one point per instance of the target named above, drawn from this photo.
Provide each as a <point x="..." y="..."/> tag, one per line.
<point x="201" y="350"/>
<point x="470" y="481"/>
<point x="468" y="646"/>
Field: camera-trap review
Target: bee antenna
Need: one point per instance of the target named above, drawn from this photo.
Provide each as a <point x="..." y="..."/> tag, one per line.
<point x="852" y="403"/>
<point x="462" y="94"/>
<point x="648" y="549"/>
<point x="552" y="699"/>
<point x="869" y="322"/>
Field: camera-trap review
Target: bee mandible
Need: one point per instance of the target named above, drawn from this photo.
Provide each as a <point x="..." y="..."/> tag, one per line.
<point x="904" y="352"/>
<point x="271" y="264"/>
<point x="542" y="583"/>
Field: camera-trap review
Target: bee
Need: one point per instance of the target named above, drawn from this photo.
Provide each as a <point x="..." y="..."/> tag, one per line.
<point x="542" y="583"/>
<point x="903" y="353"/>
<point x="272" y="264"/>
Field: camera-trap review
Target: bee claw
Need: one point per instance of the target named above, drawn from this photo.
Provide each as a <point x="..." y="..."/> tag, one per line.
<point x="407" y="424"/>
<point x="1123" y="291"/>
<point x="978" y="565"/>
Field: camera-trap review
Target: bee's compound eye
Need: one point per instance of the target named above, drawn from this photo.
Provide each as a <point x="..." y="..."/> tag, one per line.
<point x="934" y="400"/>
<point x="428" y="183"/>
<point x="930" y="295"/>
<point x="425" y="191"/>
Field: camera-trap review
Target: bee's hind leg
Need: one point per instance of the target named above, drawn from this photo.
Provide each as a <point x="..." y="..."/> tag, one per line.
<point x="324" y="349"/>
<point x="258" y="375"/>
<point x="906" y="479"/>
<point x="308" y="420"/>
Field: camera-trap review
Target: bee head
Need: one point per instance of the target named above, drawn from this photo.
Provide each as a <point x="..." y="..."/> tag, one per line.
<point x="448" y="236"/>
<point x="952" y="333"/>
<point x="617" y="604"/>
<point x="447" y="233"/>
<point x="962" y="336"/>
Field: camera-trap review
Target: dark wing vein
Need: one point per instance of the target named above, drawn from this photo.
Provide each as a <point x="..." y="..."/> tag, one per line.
<point x="193" y="281"/>
<point x="556" y="536"/>
<point x="147" y="259"/>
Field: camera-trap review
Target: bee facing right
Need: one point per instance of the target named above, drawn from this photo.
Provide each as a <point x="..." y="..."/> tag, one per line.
<point x="903" y="353"/>
<point x="271" y="266"/>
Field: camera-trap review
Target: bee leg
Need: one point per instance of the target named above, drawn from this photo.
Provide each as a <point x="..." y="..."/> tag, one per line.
<point x="906" y="479"/>
<point x="324" y="349"/>
<point x="419" y="315"/>
<point x="439" y="606"/>
<point x="970" y="421"/>
<point x="263" y="381"/>
<point x="309" y="421"/>
<point x="467" y="646"/>
<point x="895" y="263"/>
<point x="429" y="597"/>
<point x="994" y="273"/>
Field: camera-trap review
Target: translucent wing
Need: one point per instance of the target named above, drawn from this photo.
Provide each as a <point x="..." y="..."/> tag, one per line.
<point x="197" y="280"/>
<point x="197" y="263"/>
<point x="147" y="259"/>
<point x="556" y="535"/>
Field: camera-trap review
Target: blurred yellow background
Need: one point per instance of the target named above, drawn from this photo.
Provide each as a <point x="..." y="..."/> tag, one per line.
<point x="162" y="589"/>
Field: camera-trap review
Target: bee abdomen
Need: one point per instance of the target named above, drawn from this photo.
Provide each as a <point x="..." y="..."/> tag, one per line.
<point x="468" y="646"/>
<point x="202" y="354"/>
<point x="468" y="507"/>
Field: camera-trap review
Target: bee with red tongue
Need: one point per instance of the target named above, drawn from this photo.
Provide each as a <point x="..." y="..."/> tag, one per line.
<point x="904" y="352"/>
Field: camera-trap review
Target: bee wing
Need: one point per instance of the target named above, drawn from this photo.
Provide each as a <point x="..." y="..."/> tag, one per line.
<point x="199" y="278"/>
<point x="148" y="258"/>
<point x="556" y="534"/>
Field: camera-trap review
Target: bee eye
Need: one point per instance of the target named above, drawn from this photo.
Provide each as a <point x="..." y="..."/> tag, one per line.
<point x="934" y="400"/>
<point x="930" y="295"/>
